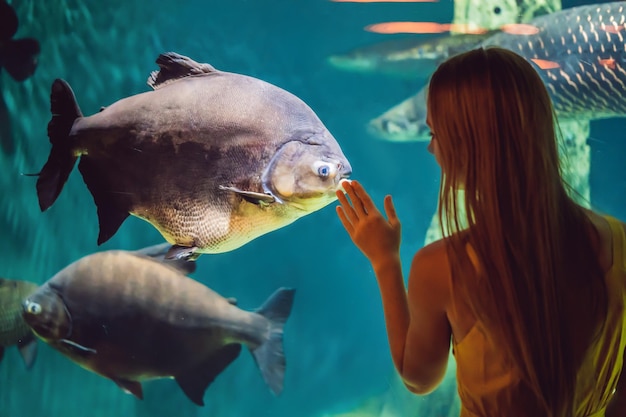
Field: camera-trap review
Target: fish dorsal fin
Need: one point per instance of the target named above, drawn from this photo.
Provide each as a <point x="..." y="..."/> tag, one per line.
<point x="159" y="253"/>
<point x="174" y="66"/>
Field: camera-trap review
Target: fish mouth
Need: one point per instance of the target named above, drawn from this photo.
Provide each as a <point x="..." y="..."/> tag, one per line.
<point x="344" y="172"/>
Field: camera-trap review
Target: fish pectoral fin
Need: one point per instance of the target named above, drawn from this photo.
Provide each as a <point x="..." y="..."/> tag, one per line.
<point x="196" y="379"/>
<point x="75" y="347"/>
<point x="130" y="387"/>
<point x="182" y="253"/>
<point x="110" y="215"/>
<point x="28" y="350"/>
<point x="251" y="196"/>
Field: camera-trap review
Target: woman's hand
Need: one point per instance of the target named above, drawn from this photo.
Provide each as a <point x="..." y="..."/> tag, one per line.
<point x="378" y="238"/>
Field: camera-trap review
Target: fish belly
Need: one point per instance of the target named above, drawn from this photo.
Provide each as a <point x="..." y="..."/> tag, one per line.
<point x="176" y="188"/>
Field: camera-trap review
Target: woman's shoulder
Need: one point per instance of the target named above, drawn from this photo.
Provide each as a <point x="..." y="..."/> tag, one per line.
<point x="431" y="262"/>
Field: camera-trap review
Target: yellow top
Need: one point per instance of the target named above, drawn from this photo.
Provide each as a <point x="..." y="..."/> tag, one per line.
<point x="487" y="383"/>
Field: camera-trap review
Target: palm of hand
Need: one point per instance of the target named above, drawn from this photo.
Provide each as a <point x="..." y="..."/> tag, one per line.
<point x="374" y="235"/>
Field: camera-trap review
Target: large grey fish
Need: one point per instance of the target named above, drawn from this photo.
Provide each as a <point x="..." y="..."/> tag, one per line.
<point x="130" y="318"/>
<point x="586" y="44"/>
<point x="411" y="58"/>
<point x="13" y="329"/>
<point x="211" y="159"/>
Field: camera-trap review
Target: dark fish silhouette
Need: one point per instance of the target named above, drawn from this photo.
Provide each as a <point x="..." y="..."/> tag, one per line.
<point x="211" y="159"/>
<point x="19" y="58"/>
<point x="13" y="329"/>
<point x="580" y="54"/>
<point x="130" y="318"/>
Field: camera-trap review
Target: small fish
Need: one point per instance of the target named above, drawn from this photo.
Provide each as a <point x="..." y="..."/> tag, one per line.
<point x="410" y="58"/>
<point x="130" y="318"/>
<point x="17" y="56"/>
<point x="580" y="53"/>
<point x="13" y="329"/>
<point x="211" y="159"/>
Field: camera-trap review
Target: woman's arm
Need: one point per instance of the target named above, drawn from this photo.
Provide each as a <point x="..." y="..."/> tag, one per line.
<point x="427" y="347"/>
<point x="379" y="240"/>
<point x="417" y="325"/>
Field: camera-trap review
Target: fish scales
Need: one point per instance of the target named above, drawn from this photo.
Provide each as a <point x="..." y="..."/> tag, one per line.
<point x="590" y="80"/>
<point x="587" y="46"/>
<point x="12" y="326"/>
<point x="129" y="317"/>
<point x="14" y="331"/>
<point x="211" y="159"/>
<point x="154" y="301"/>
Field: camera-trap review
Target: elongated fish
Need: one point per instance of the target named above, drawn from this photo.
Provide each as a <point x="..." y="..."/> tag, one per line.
<point x="131" y="318"/>
<point x="211" y="159"/>
<point x="580" y="54"/>
<point x="13" y="329"/>
<point x="409" y="58"/>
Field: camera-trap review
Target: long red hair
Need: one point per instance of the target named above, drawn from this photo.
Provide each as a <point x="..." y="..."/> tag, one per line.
<point x="494" y="124"/>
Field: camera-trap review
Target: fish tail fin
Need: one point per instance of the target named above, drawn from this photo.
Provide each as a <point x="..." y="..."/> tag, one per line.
<point x="8" y="21"/>
<point x="61" y="161"/>
<point x="269" y="355"/>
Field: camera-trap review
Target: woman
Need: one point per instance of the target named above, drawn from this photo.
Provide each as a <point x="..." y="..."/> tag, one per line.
<point x="529" y="288"/>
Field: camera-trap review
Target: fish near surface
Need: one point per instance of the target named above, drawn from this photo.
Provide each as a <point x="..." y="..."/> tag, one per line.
<point x="13" y="328"/>
<point x="410" y="58"/>
<point x="211" y="159"/>
<point x="130" y="318"/>
<point x="580" y="54"/>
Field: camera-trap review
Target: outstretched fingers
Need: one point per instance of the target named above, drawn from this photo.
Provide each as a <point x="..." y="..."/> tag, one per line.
<point x="347" y="208"/>
<point x="390" y="210"/>
<point x="363" y="197"/>
<point x="344" y="220"/>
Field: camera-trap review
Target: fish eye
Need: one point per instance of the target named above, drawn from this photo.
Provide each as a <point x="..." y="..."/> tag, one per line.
<point x="324" y="169"/>
<point x="33" y="308"/>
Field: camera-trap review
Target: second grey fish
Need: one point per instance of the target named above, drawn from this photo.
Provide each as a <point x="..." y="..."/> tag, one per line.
<point x="129" y="317"/>
<point x="587" y="46"/>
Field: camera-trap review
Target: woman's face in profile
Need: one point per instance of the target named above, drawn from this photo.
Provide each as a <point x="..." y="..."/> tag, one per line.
<point x="433" y="145"/>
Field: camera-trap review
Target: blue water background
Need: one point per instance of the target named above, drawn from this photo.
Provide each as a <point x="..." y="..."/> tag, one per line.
<point x="335" y="340"/>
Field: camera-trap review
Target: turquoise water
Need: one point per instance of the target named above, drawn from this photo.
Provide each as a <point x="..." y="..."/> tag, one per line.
<point x="335" y="341"/>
